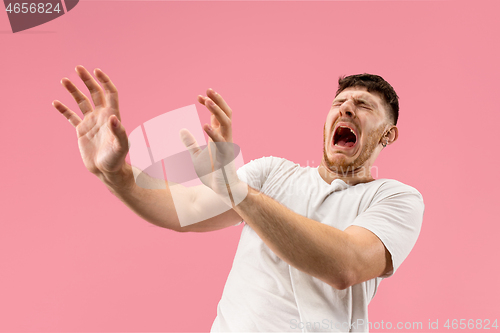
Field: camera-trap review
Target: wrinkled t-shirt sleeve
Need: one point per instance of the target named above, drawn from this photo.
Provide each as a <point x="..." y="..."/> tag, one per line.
<point x="256" y="172"/>
<point x="395" y="216"/>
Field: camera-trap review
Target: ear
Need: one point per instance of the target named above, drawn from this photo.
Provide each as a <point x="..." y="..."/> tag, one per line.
<point x="392" y="135"/>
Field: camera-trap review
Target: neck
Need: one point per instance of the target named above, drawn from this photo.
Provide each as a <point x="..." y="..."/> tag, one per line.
<point x="350" y="177"/>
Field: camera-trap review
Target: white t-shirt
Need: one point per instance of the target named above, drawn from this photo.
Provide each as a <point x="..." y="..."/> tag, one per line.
<point x="265" y="294"/>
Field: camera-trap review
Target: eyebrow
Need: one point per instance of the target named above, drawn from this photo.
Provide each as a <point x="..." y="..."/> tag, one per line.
<point x="357" y="100"/>
<point x="362" y="100"/>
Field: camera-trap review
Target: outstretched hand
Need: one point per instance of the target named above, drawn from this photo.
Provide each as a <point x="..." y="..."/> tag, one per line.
<point x="102" y="139"/>
<point x="215" y="164"/>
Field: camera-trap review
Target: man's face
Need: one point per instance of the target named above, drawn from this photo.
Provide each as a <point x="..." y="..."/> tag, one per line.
<point x="353" y="130"/>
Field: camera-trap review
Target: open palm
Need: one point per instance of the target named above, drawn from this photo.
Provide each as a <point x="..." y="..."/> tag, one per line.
<point x="102" y="139"/>
<point x="214" y="164"/>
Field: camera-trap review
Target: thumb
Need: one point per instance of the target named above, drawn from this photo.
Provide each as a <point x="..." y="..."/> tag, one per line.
<point x="119" y="132"/>
<point x="189" y="141"/>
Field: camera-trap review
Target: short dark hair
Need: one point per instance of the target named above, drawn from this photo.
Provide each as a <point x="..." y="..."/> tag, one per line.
<point x="373" y="83"/>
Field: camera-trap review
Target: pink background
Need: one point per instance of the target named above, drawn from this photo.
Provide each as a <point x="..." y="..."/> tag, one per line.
<point x="74" y="258"/>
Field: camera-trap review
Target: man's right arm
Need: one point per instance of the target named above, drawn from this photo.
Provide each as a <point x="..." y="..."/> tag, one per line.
<point x="156" y="205"/>
<point x="103" y="145"/>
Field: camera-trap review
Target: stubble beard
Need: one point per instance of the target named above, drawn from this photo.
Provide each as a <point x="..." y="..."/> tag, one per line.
<point x="343" y="166"/>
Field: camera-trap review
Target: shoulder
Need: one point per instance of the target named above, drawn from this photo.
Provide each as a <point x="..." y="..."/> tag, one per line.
<point x="392" y="185"/>
<point x="270" y="163"/>
<point x="385" y="189"/>
<point x="262" y="170"/>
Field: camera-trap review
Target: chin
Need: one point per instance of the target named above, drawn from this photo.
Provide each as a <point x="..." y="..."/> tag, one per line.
<point x="340" y="162"/>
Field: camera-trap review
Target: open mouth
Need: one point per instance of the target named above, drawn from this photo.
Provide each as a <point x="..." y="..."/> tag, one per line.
<point x="344" y="137"/>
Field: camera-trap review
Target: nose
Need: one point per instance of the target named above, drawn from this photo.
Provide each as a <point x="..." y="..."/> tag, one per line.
<point x="347" y="109"/>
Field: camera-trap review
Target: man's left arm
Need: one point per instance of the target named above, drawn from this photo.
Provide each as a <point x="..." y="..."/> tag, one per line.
<point x="339" y="258"/>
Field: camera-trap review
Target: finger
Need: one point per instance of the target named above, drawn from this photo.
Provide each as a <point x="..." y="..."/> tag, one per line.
<point x="206" y="102"/>
<point x="222" y="117"/>
<point x="223" y="149"/>
<point x="66" y="112"/>
<point x="220" y="102"/>
<point x="216" y="137"/>
<point x="189" y="141"/>
<point x="121" y="144"/>
<point x="109" y="87"/>
<point x="82" y="100"/>
<point x="95" y="89"/>
<point x="214" y="121"/>
<point x="201" y="99"/>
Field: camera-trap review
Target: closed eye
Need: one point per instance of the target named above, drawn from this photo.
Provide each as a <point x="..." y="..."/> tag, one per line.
<point x="363" y="104"/>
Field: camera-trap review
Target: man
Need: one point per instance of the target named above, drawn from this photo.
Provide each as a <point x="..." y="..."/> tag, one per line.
<point x="316" y="241"/>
